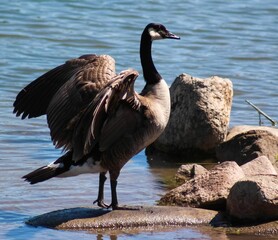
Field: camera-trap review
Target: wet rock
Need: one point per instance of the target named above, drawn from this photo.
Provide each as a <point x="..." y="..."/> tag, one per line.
<point x="259" y="166"/>
<point x="254" y="199"/>
<point x="200" y="115"/>
<point x="268" y="230"/>
<point x="188" y="171"/>
<point x="245" y="143"/>
<point x="209" y="190"/>
<point x="100" y="220"/>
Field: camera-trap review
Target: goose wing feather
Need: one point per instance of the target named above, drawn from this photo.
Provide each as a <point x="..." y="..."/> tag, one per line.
<point x="125" y="122"/>
<point x="63" y="91"/>
<point x="74" y="96"/>
<point x="105" y="111"/>
<point x="33" y="100"/>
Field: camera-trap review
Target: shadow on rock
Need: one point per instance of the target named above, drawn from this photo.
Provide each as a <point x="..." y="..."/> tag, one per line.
<point x="56" y="218"/>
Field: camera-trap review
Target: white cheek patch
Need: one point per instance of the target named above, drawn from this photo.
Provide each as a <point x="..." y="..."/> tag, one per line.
<point x="154" y="34"/>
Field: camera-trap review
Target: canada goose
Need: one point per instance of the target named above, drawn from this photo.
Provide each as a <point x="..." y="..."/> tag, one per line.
<point x="96" y="115"/>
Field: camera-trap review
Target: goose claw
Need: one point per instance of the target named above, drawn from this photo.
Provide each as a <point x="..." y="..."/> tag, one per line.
<point x="101" y="204"/>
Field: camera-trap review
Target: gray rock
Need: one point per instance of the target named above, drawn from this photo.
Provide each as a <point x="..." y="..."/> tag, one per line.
<point x="151" y="219"/>
<point x="245" y="143"/>
<point x="200" y="114"/>
<point x="100" y="220"/>
<point x="208" y="190"/>
<point x="254" y="199"/>
<point x="259" y="166"/>
<point x="188" y="171"/>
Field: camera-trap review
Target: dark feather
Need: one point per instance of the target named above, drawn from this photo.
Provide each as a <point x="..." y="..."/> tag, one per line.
<point x="63" y="92"/>
<point x="98" y="112"/>
<point x="33" y="100"/>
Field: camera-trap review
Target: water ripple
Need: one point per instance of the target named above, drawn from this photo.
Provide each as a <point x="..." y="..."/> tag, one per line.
<point x="233" y="39"/>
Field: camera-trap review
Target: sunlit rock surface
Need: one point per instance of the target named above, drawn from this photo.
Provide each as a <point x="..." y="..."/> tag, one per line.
<point x="259" y="166"/>
<point x="208" y="190"/>
<point x="200" y="114"/>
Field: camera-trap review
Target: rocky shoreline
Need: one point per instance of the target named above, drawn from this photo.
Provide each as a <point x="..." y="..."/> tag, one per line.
<point x="244" y="182"/>
<point x="248" y="193"/>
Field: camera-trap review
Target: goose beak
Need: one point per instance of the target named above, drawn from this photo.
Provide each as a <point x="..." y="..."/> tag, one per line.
<point x="172" y="36"/>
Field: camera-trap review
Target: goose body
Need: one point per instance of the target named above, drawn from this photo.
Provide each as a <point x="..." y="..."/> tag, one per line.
<point x="96" y="115"/>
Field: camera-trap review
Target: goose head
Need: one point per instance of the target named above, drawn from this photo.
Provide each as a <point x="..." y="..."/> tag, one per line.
<point x="158" y="31"/>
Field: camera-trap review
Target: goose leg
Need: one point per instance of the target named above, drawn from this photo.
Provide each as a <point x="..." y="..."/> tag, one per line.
<point x="99" y="201"/>
<point x="113" y="184"/>
<point x="114" y="203"/>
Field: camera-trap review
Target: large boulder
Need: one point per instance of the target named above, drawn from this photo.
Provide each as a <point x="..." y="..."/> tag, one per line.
<point x="200" y="115"/>
<point x="245" y="143"/>
<point x="208" y="190"/>
<point x="254" y="199"/>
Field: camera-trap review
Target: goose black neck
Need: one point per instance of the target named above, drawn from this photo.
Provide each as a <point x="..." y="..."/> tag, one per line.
<point x="150" y="73"/>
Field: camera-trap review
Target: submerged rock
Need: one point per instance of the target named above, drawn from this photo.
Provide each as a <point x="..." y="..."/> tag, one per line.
<point x="200" y="115"/>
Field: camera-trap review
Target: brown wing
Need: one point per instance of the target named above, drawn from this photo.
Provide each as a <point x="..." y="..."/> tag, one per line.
<point x="74" y="96"/>
<point x="33" y="100"/>
<point x="62" y="92"/>
<point x="107" y="104"/>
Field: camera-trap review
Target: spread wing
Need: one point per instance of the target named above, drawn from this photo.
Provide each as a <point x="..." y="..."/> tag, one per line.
<point x="63" y="92"/>
<point x="105" y="119"/>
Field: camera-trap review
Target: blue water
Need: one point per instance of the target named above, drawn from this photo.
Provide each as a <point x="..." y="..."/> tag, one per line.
<point x="234" y="39"/>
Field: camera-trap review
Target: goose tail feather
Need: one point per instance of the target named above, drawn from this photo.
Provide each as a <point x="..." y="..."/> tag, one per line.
<point x="41" y="174"/>
<point x="51" y="170"/>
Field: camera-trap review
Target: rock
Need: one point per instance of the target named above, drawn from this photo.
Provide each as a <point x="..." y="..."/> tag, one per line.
<point x="99" y="220"/>
<point x="245" y="128"/>
<point x="147" y="219"/>
<point x="209" y="190"/>
<point x="259" y="166"/>
<point x="200" y="115"/>
<point x="187" y="171"/>
<point x="267" y="231"/>
<point x="254" y="199"/>
<point x="245" y="143"/>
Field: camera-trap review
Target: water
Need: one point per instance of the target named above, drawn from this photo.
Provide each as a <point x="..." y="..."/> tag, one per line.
<point x="233" y="39"/>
